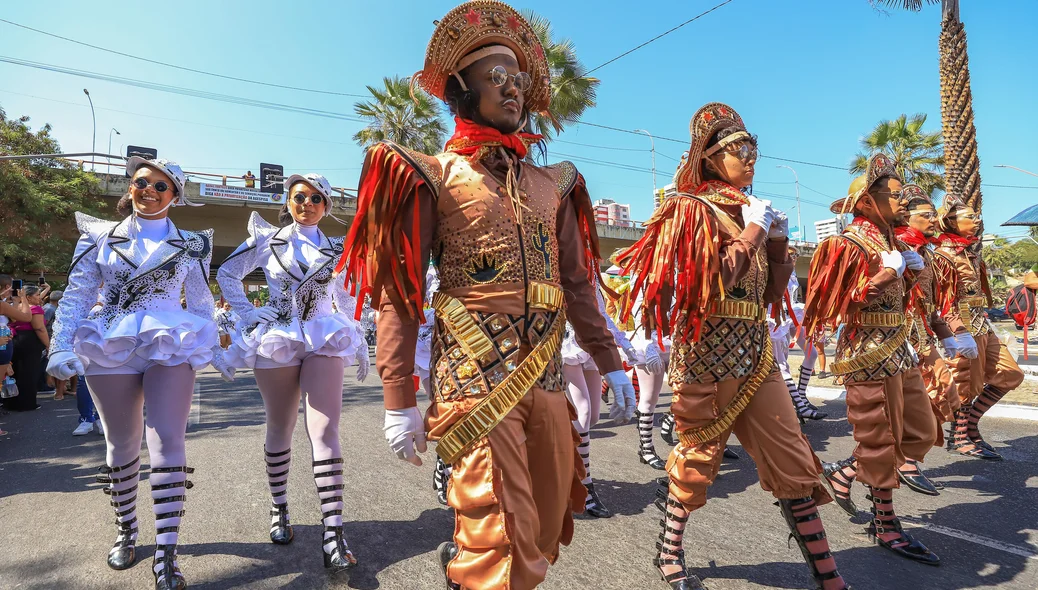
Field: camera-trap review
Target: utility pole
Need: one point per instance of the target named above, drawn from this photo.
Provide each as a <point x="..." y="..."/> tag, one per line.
<point x="110" y="148"/>
<point x="796" y="181"/>
<point x="93" y="141"/>
<point x="652" y="144"/>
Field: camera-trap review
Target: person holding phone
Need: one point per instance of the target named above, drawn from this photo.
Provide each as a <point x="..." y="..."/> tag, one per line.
<point x="30" y="339"/>
<point x="141" y="349"/>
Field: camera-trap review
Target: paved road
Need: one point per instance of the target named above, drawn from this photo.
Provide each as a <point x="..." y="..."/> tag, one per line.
<point x="56" y="526"/>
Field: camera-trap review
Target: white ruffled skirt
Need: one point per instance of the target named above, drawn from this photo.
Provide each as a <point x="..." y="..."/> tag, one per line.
<point x="162" y="337"/>
<point x="331" y="335"/>
<point x="572" y="353"/>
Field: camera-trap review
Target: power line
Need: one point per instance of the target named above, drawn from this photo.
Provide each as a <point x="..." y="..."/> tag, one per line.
<point x="657" y="37"/>
<point x="1008" y="186"/>
<point x="184" y="68"/>
<point x="603" y="147"/>
<point x="184" y="91"/>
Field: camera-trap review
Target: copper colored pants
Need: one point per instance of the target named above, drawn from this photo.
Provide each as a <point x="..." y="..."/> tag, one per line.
<point x="768" y="429"/>
<point x="892" y="420"/>
<point x="993" y="366"/>
<point x="943" y="399"/>
<point x="514" y="492"/>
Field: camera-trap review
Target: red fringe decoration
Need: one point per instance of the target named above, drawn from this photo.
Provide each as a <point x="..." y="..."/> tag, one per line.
<point x="378" y="252"/>
<point x="839" y="276"/>
<point x="681" y="243"/>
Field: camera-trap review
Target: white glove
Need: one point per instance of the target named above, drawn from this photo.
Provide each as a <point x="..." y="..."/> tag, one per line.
<point x="780" y="227"/>
<point x="951" y="347"/>
<point x="967" y="345"/>
<point x="632" y="356"/>
<point x="261" y="315"/>
<point x="913" y="260"/>
<point x="363" y="363"/>
<point x="759" y="213"/>
<point x="220" y="364"/>
<point x="624" y="405"/>
<point x="893" y="260"/>
<point x="653" y="359"/>
<point x="405" y="432"/>
<point x="912" y="353"/>
<point x="64" y="364"/>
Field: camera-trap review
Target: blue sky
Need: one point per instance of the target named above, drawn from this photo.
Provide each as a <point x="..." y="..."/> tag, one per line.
<point x="810" y="78"/>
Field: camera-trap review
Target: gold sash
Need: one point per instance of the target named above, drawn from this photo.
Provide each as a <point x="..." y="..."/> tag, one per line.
<point x="874" y="356"/>
<point x="727" y="416"/>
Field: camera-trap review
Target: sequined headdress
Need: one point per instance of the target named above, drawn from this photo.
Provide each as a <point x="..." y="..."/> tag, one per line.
<point x="949" y="207"/>
<point x="707" y="121"/>
<point x="879" y="166"/>
<point x="912" y="192"/>
<point x="477" y="24"/>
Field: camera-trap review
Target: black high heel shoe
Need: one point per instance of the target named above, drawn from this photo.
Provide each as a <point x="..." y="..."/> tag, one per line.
<point x="905" y="545"/>
<point x="831" y="472"/>
<point x="788" y="508"/>
<point x="168" y="576"/>
<point x="341" y="558"/>
<point x="918" y="482"/>
<point x="280" y="528"/>
<point x="593" y="506"/>
<point x="123" y="553"/>
<point x="669" y="551"/>
<point x="730" y="454"/>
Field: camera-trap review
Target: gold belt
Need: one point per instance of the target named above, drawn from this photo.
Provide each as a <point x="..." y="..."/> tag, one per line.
<point x="545" y="296"/>
<point x="977" y="301"/>
<point x="878" y="319"/>
<point x="727" y="416"/>
<point x="489" y="411"/>
<point x="874" y="356"/>
<point x="740" y="310"/>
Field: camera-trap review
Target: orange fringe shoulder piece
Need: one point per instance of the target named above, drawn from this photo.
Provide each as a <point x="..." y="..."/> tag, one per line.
<point x="379" y="252"/>
<point x="839" y="276"/>
<point x="586" y="222"/>
<point x="679" y="253"/>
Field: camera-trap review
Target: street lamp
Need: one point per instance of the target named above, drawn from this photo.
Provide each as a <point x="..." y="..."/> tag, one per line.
<point x="796" y="181"/>
<point x="110" y="148"/>
<point x="93" y="141"/>
<point x="1015" y="168"/>
<point x="652" y="144"/>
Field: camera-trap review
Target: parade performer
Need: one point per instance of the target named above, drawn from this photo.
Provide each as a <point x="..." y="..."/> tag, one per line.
<point x="978" y="382"/>
<point x="583" y="383"/>
<point x="858" y="278"/>
<point x="723" y="257"/>
<point x="227" y="322"/>
<point x="516" y="249"/>
<point x="653" y="348"/>
<point x="790" y="331"/>
<point x="299" y="347"/>
<point x="141" y="349"/>
<point x="930" y="297"/>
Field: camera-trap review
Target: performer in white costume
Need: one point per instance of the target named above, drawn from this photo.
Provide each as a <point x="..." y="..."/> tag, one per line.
<point x="782" y="335"/>
<point x="141" y="348"/>
<point x="298" y="346"/>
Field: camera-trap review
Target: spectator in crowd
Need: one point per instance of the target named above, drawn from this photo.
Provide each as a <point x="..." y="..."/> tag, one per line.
<point x="250" y="180"/>
<point x="88" y="418"/>
<point x="30" y="341"/>
<point x="257" y="303"/>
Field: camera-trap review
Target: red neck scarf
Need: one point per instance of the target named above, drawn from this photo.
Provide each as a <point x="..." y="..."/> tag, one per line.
<point x="911" y="236"/>
<point x="476" y="141"/>
<point x="956" y="241"/>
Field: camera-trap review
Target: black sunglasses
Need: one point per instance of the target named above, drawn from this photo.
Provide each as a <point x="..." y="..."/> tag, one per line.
<point x="315" y="198"/>
<point x="160" y="186"/>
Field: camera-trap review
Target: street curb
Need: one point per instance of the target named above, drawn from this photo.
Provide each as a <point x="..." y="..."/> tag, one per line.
<point x="1014" y="411"/>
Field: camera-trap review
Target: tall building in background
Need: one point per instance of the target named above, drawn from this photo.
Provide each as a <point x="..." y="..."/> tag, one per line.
<point x="609" y="212"/>
<point x="668" y="191"/>
<point x="829" y="227"/>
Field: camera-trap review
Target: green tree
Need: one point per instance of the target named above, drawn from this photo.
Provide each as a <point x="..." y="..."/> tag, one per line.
<point x="918" y="155"/>
<point x="392" y="115"/>
<point x="38" y="200"/>
<point x="572" y="91"/>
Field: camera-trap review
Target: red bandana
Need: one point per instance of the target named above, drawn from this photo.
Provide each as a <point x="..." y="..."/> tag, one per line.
<point x="471" y="139"/>
<point x="957" y="241"/>
<point x="911" y="236"/>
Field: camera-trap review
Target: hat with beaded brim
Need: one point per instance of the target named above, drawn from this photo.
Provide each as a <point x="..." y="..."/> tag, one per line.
<point x="879" y="166"/>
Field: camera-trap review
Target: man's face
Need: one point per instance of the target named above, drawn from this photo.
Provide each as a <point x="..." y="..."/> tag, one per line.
<point x="924" y="219"/>
<point x="500" y="107"/>
<point x="966" y="222"/>
<point x="885" y="201"/>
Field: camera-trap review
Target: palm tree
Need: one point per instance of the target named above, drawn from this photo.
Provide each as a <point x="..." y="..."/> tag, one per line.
<point x="918" y="155"/>
<point x="392" y="115"/>
<point x="572" y="90"/>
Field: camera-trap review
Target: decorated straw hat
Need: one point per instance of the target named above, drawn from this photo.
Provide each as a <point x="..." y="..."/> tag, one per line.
<point x="950" y="206"/>
<point x="481" y="24"/>
<point x="911" y="192"/>
<point x="707" y="121"/>
<point x="879" y="166"/>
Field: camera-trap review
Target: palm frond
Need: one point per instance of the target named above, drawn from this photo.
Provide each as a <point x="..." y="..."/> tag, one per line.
<point x="913" y="5"/>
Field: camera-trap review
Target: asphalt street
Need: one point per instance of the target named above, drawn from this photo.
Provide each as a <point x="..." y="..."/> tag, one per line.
<point x="56" y="526"/>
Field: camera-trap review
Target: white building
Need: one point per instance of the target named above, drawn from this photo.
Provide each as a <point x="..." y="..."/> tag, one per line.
<point x="829" y="227"/>
<point x="610" y="212"/>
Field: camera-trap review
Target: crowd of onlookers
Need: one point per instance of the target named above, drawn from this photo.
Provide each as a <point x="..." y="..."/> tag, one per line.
<point x="27" y="312"/>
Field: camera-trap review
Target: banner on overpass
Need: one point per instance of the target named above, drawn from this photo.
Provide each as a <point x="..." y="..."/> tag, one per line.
<point x="238" y="193"/>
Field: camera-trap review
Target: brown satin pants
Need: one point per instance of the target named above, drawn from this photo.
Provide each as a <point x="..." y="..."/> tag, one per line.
<point x="993" y="366"/>
<point x="938" y="380"/>
<point x="892" y="420"/>
<point x="768" y="429"/>
<point x="514" y="493"/>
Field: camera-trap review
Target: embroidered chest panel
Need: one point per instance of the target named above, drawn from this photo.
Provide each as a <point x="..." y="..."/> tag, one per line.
<point x="479" y="241"/>
<point x="455" y="376"/>
<point x="727" y="349"/>
<point x="854" y="342"/>
<point x="967" y="266"/>
<point x="926" y="299"/>
<point x="892" y="299"/>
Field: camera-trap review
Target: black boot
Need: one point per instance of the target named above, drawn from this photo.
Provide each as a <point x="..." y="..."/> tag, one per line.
<point x="123" y="553"/>
<point x="730" y="453"/>
<point x="916" y="480"/>
<point x="646" y="450"/>
<point x="667" y="432"/>
<point x="593" y="505"/>
<point x="278" y="466"/>
<point x="440" y="477"/>
<point x="960" y="441"/>
<point x="885" y="521"/>
<point x="446" y="552"/>
<point x="832" y="473"/>
<point x="164" y="563"/>
<point x="334" y="550"/>
<point x="801" y="511"/>
<point x="167" y="574"/>
<point x="987" y="398"/>
<point x="341" y="558"/>
<point x="669" y="552"/>
<point x="280" y="528"/>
